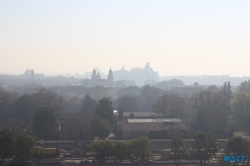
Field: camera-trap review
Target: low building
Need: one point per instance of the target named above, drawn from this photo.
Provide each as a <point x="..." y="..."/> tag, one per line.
<point x="137" y="115"/>
<point x="163" y="128"/>
<point x="99" y="92"/>
<point x="130" y="91"/>
<point x="17" y="126"/>
<point x="74" y="129"/>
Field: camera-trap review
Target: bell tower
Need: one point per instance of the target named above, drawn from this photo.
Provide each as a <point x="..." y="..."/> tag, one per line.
<point x="110" y="78"/>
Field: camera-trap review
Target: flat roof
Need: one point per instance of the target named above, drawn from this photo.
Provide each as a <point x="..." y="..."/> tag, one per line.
<point x="160" y="120"/>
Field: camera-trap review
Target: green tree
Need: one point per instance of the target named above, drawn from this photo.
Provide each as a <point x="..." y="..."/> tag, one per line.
<point x="88" y="104"/>
<point x="121" y="150"/>
<point x="240" y="106"/>
<point x="178" y="147"/>
<point x="171" y="105"/>
<point x="46" y="97"/>
<point x="103" y="150"/>
<point x="45" y="122"/>
<point x="100" y="127"/>
<point x="7" y="142"/>
<point x="211" y="111"/>
<point x="213" y="88"/>
<point x="150" y="90"/>
<point x="238" y="146"/>
<point x="128" y="103"/>
<point x="205" y="144"/>
<point x="6" y="102"/>
<point x="141" y="148"/>
<point x="105" y="110"/>
<point x="73" y="104"/>
<point x="24" y="109"/>
<point x="24" y="148"/>
<point x="226" y="90"/>
<point x="244" y="86"/>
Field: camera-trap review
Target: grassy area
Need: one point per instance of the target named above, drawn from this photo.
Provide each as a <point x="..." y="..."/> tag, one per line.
<point x="242" y="134"/>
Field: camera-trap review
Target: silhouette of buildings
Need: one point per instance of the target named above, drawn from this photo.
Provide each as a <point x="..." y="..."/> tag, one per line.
<point x="96" y="80"/>
<point x="139" y="75"/>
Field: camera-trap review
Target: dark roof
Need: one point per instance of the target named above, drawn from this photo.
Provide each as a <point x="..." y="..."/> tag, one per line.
<point x="100" y="88"/>
<point x="18" y="123"/>
<point x="83" y="116"/>
<point x="146" y="127"/>
<point x="131" y="88"/>
<point x="139" y="114"/>
<point x="74" y="120"/>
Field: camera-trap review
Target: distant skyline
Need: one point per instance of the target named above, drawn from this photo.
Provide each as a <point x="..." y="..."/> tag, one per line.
<point x="177" y="37"/>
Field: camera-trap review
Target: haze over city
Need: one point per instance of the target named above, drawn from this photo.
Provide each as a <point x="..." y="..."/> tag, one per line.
<point x="176" y="37"/>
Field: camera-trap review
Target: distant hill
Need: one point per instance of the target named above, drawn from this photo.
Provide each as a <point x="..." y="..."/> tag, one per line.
<point x="207" y="80"/>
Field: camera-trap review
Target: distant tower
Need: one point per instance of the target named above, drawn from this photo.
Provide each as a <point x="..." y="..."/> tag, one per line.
<point x="110" y="78"/>
<point x="93" y="74"/>
<point x="32" y="74"/>
<point x="98" y="76"/>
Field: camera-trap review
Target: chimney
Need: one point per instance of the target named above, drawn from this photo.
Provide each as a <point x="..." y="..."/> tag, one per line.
<point x="120" y="117"/>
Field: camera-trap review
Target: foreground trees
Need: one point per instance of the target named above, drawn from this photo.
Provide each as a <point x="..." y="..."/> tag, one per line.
<point x="18" y="147"/>
<point x="103" y="150"/>
<point x="178" y="147"/>
<point x="88" y="104"/>
<point x="211" y="111"/>
<point x="171" y="105"/>
<point x="45" y="122"/>
<point x="139" y="147"/>
<point x="240" y="106"/>
<point x="100" y="127"/>
<point x="128" y="103"/>
<point x="205" y="144"/>
<point x="105" y="110"/>
<point x="238" y="146"/>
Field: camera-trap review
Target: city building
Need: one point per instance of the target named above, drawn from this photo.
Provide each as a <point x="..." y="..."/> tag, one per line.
<point x="139" y="75"/>
<point x="96" y="80"/>
<point x="130" y="91"/>
<point x="99" y="92"/>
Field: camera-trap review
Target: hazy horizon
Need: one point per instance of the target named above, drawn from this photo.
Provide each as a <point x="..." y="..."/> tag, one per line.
<point x="176" y="37"/>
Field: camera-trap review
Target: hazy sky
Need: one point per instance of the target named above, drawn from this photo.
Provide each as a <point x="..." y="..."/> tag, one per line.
<point x="177" y="37"/>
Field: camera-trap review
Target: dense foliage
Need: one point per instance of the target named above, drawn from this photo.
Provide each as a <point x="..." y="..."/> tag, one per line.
<point x="18" y="147"/>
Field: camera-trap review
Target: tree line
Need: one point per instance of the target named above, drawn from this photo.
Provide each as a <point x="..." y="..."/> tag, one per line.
<point x="19" y="148"/>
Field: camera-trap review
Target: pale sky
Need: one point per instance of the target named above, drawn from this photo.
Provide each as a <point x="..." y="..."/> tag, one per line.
<point x="177" y="37"/>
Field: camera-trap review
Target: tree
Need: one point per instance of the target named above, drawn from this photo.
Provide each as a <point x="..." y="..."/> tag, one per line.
<point x="24" y="109"/>
<point x="150" y="90"/>
<point x="238" y="146"/>
<point x="128" y="103"/>
<point x="171" y="105"/>
<point x="6" y="102"/>
<point x="226" y="90"/>
<point x="46" y="97"/>
<point x="73" y="104"/>
<point x="205" y="144"/>
<point x="103" y="150"/>
<point x="88" y="104"/>
<point x="100" y="127"/>
<point x="45" y="122"/>
<point x="105" y="110"/>
<point x="141" y="148"/>
<point x="121" y="150"/>
<point x="211" y="111"/>
<point x="24" y="148"/>
<point x="240" y="106"/>
<point x="178" y="147"/>
<point x="213" y="88"/>
<point x="244" y="86"/>
<point x="7" y="142"/>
